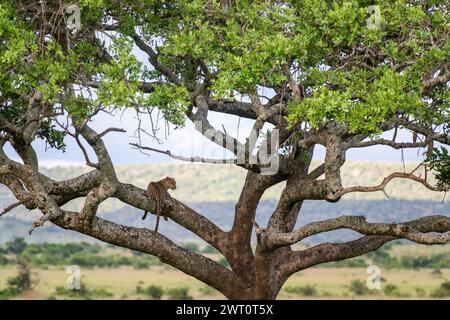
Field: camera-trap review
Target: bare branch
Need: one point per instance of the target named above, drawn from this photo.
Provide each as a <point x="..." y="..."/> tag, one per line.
<point x="11" y="207"/>
<point x="382" y="185"/>
<point x="188" y="159"/>
<point x="100" y="135"/>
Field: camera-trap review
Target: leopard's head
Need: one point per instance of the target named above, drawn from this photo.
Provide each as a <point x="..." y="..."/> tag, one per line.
<point x="170" y="183"/>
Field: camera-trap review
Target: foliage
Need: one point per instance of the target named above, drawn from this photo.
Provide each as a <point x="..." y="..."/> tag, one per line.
<point x="307" y="291"/>
<point x="181" y="293"/>
<point x="82" y="293"/>
<point x="439" y="161"/>
<point x="358" y="287"/>
<point x="443" y="291"/>
<point x="246" y="46"/>
<point x="154" y="292"/>
<point x="3" y="260"/>
<point x="84" y="255"/>
<point x="420" y="292"/>
<point x="23" y="280"/>
<point x="16" y="246"/>
<point x="391" y="290"/>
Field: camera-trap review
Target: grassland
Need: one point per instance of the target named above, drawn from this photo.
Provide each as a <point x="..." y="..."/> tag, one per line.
<point x="331" y="283"/>
<point x="328" y="281"/>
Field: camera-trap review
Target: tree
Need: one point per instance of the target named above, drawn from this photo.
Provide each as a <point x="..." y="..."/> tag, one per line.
<point x="16" y="246"/>
<point x="341" y="74"/>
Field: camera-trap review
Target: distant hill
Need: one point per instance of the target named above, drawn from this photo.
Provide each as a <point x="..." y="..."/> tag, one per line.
<point x="214" y="189"/>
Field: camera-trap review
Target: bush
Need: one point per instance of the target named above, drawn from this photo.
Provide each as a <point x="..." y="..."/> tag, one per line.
<point x="7" y="294"/>
<point x="83" y="293"/>
<point x="23" y="280"/>
<point x="420" y="292"/>
<point x="179" y="294"/>
<point x="391" y="290"/>
<point x="443" y="291"/>
<point x="17" y="246"/>
<point x="358" y="288"/>
<point x="144" y="262"/>
<point x="155" y="292"/>
<point x="3" y="260"/>
<point x="308" y="290"/>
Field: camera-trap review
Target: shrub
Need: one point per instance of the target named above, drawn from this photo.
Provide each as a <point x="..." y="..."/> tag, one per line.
<point x="308" y="290"/>
<point x="83" y="293"/>
<point x="3" y="260"/>
<point x="141" y="264"/>
<point x="179" y="294"/>
<point x="155" y="292"/>
<point x="17" y="246"/>
<point x="443" y="291"/>
<point x="391" y="290"/>
<point x="420" y="292"/>
<point x="139" y="289"/>
<point x="358" y="287"/>
<point x="7" y="294"/>
<point x="23" y="280"/>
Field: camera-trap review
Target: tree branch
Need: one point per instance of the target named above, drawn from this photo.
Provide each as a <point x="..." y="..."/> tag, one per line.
<point x="328" y="252"/>
<point x="187" y="159"/>
<point x="359" y="224"/>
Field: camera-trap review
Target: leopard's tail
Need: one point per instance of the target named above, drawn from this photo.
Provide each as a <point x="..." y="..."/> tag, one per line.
<point x="158" y="215"/>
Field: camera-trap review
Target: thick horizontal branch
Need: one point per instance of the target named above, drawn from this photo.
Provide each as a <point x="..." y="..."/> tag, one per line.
<point x="144" y="240"/>
<point x="359" y="224"/>
<point x="177" y="211"/>
<point x="329" y="252"/>
<point x="241" y="109"/>
<point x="145" y="87"/>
